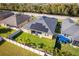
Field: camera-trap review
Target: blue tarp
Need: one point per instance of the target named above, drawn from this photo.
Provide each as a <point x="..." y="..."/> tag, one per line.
<point x="63" y="39"/>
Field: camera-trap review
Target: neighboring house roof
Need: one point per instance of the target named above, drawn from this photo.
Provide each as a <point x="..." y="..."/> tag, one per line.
<point x="4" y="15"/>
<point x="43" y="23"/>
<point x="75" y="37"/>
<point x="70" y="28"/>
<point x="66" y="24"/>
<point x="16" y="19"/>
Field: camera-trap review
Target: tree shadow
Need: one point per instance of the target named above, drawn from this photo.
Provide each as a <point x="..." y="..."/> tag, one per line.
<point x="17" y="35"/>
<point x="5" y="30"/>
<point x="58" y="27"/>
<point x="1" y="42"/>
<point x="57" y="45"/>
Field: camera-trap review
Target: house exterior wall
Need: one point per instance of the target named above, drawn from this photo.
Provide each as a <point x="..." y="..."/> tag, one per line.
<point x="26" y="30"/>
<point x="45" y="35"/>
<point x="4" y="25"/>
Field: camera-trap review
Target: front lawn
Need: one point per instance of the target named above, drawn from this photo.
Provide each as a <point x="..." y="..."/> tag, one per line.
<point x="5" y="32"/>
<point x="8" y="49"/>
<point x="45" y="44"/>
<point x="70" y="50"/>
<point x="35" y="42"/>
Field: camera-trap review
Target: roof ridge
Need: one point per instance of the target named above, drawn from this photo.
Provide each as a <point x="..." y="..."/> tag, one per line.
<point x="46" y="24"/>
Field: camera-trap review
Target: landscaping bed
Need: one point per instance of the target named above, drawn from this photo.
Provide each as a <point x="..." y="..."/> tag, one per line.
<point x="5" y="32"/>
<point x="34" y="41"/>
<point x="44" y="44"/>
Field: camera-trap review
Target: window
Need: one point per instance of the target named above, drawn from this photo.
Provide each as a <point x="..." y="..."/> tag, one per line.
<point x="39" y="32"/>
<point x="32" y="31"/>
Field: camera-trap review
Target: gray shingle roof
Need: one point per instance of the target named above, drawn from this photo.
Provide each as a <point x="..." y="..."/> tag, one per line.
<point x="70" y="28"/>
<point x="76" y="37"/>
<point x="66" y="24"/>
<point x="4" y="15"/>
<point x="15" y="19"/>
<point x="43" y="23"/>
<point x="39" y="27"/>
<point x="21" y="18"/>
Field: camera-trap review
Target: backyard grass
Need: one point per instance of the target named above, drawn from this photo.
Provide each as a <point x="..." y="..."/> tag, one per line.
<point x="43" y="44"/>
<point x="66" y="49"/>
<point x="8" y="49"/>
<point x="70" y="49"/>
<point x="5" y="32"/>
<point x="34" y="41"/>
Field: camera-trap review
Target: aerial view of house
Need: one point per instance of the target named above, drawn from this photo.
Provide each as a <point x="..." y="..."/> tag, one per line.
<point x="43" y="26"/>
<point x="71" y="29"/>
<point x="40" y="29"/>
<point x="14" y="20"/>
<point x="4" y="15"/>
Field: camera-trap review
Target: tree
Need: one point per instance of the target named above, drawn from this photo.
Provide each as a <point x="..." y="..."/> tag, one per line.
<point x="56" y="9"/>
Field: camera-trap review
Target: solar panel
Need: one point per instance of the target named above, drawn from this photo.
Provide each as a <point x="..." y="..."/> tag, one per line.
<point x="39" y="26"/>
<point x="76" y="43"/>
<point x="44" y="24"/>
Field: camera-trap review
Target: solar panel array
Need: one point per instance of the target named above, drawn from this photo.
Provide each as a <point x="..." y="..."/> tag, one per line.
<point x="75" y="43"/>
<point x="39" y="26"/>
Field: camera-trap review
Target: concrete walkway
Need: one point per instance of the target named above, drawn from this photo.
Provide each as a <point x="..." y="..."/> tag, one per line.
<point x="27" y="47"/>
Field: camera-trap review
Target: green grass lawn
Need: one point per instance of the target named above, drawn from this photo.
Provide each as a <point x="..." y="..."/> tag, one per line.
<point x="5" y="32"/>
<point x="8" y="49"/>
<point x="36" y="42"/>
<point x="66" y="49"/>
<point x="70" y="49"/>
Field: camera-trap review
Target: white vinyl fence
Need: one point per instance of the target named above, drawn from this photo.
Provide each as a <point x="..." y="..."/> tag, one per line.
<point x="27" y="47"/>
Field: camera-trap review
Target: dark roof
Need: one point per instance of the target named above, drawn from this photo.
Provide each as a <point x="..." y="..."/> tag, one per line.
<point x="43" y="23"/>
<point x="39" y="27"/>
<point x="4" y="15"/>
<point x="16" y="19"/>
<point x="51" y="23"/>
<point x="20" y="18"/>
